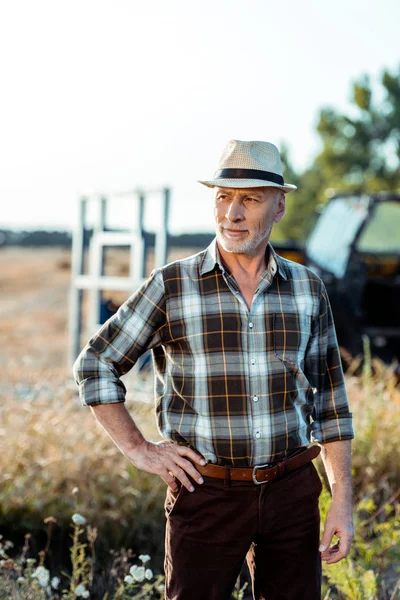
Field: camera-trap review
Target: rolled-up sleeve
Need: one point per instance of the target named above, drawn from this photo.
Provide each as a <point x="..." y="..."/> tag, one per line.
<point x="332" y="420"/>
<point x="136" y="327"/>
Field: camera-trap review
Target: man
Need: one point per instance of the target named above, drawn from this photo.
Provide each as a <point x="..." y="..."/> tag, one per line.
<point x="248" y="373"/>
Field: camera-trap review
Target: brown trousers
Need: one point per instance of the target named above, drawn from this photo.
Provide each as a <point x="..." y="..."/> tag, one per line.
<point x="275" y="526"/>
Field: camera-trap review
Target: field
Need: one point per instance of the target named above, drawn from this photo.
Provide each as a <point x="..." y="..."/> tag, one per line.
<point x="56" y="460"/>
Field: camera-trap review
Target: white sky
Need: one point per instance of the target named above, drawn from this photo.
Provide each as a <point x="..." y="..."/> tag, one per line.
<point x="103" y="96"/>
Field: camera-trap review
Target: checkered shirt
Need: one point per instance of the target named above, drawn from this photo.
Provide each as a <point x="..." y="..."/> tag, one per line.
<point x="241" y="387"/>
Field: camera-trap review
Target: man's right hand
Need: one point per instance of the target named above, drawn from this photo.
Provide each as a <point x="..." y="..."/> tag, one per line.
<point x="168" y="460"/>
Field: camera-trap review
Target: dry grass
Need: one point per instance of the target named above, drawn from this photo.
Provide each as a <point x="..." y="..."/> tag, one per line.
<point x="375" y="402"/>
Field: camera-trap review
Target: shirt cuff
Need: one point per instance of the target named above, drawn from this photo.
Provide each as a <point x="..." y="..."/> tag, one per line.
<point x="333" y="430"/>
<point x="94" y="391"/>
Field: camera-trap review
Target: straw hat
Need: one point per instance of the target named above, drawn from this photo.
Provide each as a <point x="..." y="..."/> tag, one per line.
<point x="249" y="164"/>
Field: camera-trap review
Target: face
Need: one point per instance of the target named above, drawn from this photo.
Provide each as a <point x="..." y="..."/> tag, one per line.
<point x="244" y="217"/>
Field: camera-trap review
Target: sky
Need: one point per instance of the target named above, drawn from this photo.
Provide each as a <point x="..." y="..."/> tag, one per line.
<point x="102" y="97"/>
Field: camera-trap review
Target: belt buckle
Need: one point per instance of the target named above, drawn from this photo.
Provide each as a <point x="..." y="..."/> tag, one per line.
<point x="254" y="473"/>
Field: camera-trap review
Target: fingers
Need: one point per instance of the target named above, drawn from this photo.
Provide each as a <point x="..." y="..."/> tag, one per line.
<point x="336" y="552"/>
<point x="177" y="467"/>
<point x="338" y="522"/>
<point x="180" y="467"/>
<point x="181" y="475"/>
<point x="171" y="462"/>
<point x="191" y="454"/>
<point x="326" y="539"/>
<point x="331" y="554"/>
<point x="187" y="466"/>
<point x="170" y="481"/>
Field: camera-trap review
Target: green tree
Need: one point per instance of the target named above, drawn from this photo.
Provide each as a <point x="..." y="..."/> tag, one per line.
<point x="360" y="152"/>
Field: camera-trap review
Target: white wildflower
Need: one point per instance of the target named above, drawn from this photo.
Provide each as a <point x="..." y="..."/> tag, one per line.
<point x="144" y="558"/>
<point x="8" y="545"/>
<point x="81" y="590"/>
<point x="43" y="581"/>
<point x="75" y="490"/>
<point x="129" y="579"/>
<point x="55" y="582"/>
<point x="148" y="574"/>
<point x="20" y="579"/>
<point x="78" y="519"/>
<point x="42" y="575"/>
<point x="139" y="574"/>
<point x="30" y="561"/>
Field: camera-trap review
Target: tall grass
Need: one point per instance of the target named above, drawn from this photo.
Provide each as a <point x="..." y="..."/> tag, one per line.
<point x="54" y="447"/>
<point x="372" y="569"/>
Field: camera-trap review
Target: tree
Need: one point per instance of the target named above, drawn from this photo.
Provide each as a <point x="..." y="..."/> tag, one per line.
<point x="360" y="152"/>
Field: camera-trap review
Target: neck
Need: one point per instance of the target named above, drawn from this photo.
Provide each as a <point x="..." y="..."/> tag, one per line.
<point x="250" y="265"/>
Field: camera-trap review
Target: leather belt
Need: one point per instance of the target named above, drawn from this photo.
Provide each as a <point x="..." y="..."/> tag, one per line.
<point x="262" y="473"/>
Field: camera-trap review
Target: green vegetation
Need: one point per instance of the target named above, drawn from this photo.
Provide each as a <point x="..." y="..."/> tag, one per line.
<point x="360" y="152"/>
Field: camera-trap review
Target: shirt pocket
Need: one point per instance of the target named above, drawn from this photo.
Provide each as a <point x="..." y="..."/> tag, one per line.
<point x="291" y="333"/>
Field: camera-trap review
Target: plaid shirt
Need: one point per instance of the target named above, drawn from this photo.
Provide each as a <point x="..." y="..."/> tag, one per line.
<point x="241" y="387"/>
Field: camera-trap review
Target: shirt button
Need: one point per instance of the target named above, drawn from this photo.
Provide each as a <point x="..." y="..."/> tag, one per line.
<point x="255" y="398"/>
<point x="253" y="361"/>
<point x="258" y="434"/>
<point x="251" y="325"/>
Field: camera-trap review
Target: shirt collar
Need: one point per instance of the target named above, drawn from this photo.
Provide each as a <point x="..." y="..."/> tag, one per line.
<point x="212" y="258"/>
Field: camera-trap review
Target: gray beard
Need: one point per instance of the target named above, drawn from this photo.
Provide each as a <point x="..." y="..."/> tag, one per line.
<point x="239" y="246"/>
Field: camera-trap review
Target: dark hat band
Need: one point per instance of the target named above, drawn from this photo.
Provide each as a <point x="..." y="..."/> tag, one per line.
<point x="249" y="174"/>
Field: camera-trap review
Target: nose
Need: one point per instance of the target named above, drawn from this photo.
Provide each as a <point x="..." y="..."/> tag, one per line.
<point x="234" y="212"/>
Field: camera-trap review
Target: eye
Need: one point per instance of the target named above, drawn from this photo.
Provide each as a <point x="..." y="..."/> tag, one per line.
<point x="250" y="199"/>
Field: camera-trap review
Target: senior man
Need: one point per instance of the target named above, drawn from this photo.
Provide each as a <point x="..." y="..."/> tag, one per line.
<point x="248" y="376"/>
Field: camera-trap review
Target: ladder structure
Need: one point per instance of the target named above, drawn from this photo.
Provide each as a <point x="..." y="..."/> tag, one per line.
<point x="94" y="281"/>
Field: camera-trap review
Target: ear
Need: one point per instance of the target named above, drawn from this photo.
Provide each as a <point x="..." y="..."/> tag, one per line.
<point x="280" y="206"/>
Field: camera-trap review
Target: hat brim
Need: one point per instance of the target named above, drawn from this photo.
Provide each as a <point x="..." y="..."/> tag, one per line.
<point x="248" y="183"/>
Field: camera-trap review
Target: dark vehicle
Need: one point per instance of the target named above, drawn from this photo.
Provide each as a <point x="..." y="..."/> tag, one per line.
<point x="355" y="248"/>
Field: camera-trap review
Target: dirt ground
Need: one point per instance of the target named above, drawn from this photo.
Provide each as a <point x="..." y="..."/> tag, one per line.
<point x="34" y="317"/>
<point x="34" y="291"/>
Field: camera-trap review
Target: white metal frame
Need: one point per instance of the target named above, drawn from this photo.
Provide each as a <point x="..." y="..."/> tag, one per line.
<point x="95" y="281"/>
